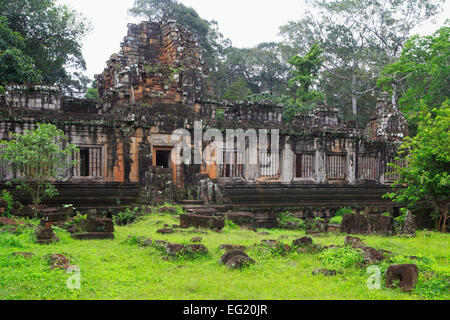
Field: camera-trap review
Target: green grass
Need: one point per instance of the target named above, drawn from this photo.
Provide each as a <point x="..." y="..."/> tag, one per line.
<point x="119" y="269"/>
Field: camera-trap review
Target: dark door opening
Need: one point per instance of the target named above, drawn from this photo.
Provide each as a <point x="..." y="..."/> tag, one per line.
<point x="163" y="158"/>
<point x="298" y="166"/>
<point x="84" y="162"/>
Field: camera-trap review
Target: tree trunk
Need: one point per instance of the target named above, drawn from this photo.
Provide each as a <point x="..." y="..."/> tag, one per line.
<point x="444" y="217"/>
<point x="394" y="94"/>
<point x="354" y="104"/>
<point x="354" y="98"/>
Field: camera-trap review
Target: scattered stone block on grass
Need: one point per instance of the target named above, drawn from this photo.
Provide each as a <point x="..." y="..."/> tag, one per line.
<point x="407" y="274"/>
<point x="145" y="242"/>
<point x="45" y="235"/>
<point x="304" y="241"/>
<point x="93" y="236"/>
<point x="58" y="261"/>
<point x="27" y="255"/>
<point x="207" y="222"/>
<point x="271" y="243"/>
<point x="175" y="249"/>
<point x="236" y="259"/>
<point x="196" y="240"/>
<point x="324" y="272"/>
<point x="372" y="256"/>
<point x="229" y="247"/>
<point x="313" y="248"/>
<point x="354" y="242"/>
<point x="198" y="248"/>
<point x="165" y="231"/>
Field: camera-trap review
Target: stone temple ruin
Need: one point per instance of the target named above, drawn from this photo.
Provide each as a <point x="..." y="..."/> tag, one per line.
<point x="158" y="83"/>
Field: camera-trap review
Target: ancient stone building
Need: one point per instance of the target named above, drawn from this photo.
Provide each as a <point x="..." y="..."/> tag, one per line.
<point x="158" y="83"/>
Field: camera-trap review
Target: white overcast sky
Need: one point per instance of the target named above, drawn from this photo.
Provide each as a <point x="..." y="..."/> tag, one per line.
<point x="245" y="22"/>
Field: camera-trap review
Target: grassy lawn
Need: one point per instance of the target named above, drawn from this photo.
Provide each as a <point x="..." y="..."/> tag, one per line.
<point x="120" y="269"/>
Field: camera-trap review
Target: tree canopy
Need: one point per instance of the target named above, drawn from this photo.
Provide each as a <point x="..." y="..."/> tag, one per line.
<point x="359" y="38"/>
<point x="15" y="65"/>
<point x="52" y="36"/>
<point x="426" y="176"/>
<point x="422" y="72"/>
<point x="40" y="156"/>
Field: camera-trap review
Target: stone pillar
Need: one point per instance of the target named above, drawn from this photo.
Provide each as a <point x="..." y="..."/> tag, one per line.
<point x="287" y="160"/>
<point x="321" y="174"/>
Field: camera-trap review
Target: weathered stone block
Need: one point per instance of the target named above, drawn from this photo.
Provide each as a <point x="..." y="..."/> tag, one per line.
<point x="305" y="241"/>
<point x="407" y="274"/>
<point x="193" y="220"/>
<point x="45" y="235"/>
<point x="236" y="259"/>
<point x="93" y="236"/>
<point x="240" y="218"/>
<point x="97" y="225"/>
<point x="367" y="224"/>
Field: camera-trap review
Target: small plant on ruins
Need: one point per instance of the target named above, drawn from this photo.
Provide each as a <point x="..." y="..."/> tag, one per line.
<point x="386" y="214"/>
<point x="76" y="221"/>
<point x="289" y="221"/>
<point x="220" y="115"/>
<point x="336" y="220"/>
<point x="126" y="217"/>
<point x="343" y="211"/>
<point x="40" y="159"/>
<point x="400" y="220"/>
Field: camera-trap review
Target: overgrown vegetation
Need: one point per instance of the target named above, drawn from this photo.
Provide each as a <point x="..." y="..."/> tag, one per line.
<point x="126" y="217"/>
<point x="289" y="221"/>
<point x="124" y="269"/>
<point x="8" y="198"/>
<point x="40" y="156"/>
<point x="426" y="177"/>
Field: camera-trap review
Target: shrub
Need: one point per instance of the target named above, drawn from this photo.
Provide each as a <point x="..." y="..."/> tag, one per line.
<point x="7" y="197"/>
<point x="288" y="220"/>
<point x="341" y="258"/>
<point x="272" y="250"/>
<point x="336" y="220"/>
<point x="37" y="155"/>
<point x="230" y="224"/>
<point x="399" y="221"/>
<point x="126" y="217"/>
<point x="341" y="212"/>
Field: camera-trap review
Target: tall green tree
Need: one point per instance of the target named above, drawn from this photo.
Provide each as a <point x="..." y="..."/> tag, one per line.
<point x="41" y="156"/>
<point x="359" y="37"/>
<point x="305" y="75"/>
<point x="53" y="35"/>
<point x="426" y="178"/>
<point x="422" y="73"/>
<point x="237" y="91"/>
<point x="15" y="66"/>
<point x="264" y="67"/>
